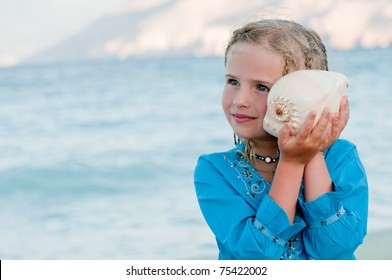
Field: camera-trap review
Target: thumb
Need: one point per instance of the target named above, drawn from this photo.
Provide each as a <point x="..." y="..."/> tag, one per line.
<point x="286" y="132"/>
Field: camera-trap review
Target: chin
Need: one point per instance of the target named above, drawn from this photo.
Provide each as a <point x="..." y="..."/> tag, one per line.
<point x="263" y="136"/>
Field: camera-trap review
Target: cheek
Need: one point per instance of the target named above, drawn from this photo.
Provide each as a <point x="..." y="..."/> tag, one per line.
<point x="227" y="100"/>
<point x="262" y="106"/>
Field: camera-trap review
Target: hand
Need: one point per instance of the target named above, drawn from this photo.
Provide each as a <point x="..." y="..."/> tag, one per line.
<point x="339" y="122"/>
<point x="300" y="147"/>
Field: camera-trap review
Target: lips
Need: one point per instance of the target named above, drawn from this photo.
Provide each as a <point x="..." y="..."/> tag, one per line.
<point x="239" y="118"/>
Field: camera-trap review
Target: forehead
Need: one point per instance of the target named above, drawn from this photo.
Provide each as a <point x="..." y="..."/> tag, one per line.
<point x="255" y="62"/>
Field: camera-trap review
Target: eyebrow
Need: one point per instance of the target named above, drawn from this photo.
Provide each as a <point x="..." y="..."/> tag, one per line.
<point x="254" y="81"/>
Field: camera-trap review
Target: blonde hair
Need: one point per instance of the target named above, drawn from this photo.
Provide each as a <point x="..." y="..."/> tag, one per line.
<point x="289" y="39"/>
<point x="296" y="44"/>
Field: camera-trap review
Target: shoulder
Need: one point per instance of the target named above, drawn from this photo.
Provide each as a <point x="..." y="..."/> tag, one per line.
<point x="217" y="162"/>
<point x="218" y="157"/>
<point x="341" y="148"/>
<point x="342" y="154"/>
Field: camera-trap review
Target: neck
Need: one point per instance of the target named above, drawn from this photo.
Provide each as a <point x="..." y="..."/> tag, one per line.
<point x="265" y="167"/>
<point x="265" y="147"/>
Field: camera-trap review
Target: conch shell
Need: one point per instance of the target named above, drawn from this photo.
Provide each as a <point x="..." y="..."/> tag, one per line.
<point x="294" y="95"/>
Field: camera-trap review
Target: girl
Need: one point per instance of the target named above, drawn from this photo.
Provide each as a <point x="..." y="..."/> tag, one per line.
<point x="309" y="200"/>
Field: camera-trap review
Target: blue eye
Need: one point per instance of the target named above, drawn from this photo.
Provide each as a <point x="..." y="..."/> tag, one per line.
<point x="232" y="82"/>
<point x="263" y="88"/>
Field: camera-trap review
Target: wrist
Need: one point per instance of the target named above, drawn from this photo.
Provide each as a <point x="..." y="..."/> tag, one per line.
<point x="291" y="164"/>
<point x="292" y="161"/>
<point x="317" y="180"/>
<point x="318" y="157"/>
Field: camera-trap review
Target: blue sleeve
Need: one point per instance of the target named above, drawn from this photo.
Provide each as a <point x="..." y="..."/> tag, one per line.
<point x="337" y="221"/>
<point x="242" y="230"/>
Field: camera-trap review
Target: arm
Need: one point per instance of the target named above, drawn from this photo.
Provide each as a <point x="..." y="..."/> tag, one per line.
<point x="297" y="151"/>
<point x="338" y="220"/>
<point x="301" y="151"/>
<point x="285" y="186"/>
<point x="235" y="221"/>
<point x="316" y="178"/>
<point x="323" y="205"/>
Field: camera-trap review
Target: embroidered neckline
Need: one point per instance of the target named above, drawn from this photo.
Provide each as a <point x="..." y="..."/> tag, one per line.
<point x="256" y="184"/>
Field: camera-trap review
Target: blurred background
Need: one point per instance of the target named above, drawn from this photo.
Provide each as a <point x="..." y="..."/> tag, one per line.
<point x="105" y="107"/>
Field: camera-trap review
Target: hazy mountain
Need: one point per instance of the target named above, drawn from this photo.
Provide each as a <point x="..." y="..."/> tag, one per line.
<point x="156" y="27"/>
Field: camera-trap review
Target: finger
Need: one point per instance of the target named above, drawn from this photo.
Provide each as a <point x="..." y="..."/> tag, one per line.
<point x="284" y="135"/>
<point x="340" y="120"/>
<point x="326" y="137"/>
<point x="286" y="132"/>
<point x="344" y="111"/>
<point x="335" y="129"/>
<point x="322" y="124"/>
<point x="308" y="124"/>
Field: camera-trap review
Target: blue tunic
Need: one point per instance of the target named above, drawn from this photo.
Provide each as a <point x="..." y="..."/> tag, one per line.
<point x="248" y="224"/>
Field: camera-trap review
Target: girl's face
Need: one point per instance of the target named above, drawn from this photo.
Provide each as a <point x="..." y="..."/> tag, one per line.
<point x="251" y="72"/>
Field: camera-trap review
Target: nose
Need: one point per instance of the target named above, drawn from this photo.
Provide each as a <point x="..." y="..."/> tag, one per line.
<point x="242" y="97"/>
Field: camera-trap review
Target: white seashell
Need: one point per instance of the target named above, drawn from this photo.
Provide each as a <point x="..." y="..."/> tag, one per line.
<point x="294" y="95"/>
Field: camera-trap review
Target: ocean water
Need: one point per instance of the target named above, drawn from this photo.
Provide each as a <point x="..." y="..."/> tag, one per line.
<point x="97" y="158"/>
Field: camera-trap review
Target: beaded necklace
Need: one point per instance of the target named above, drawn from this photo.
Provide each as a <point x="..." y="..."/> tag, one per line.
<point x="266" y="159"/>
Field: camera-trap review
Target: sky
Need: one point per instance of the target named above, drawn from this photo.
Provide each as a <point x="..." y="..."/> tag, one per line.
<point x="27" y="26"/>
